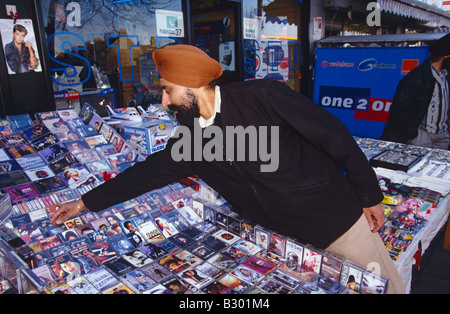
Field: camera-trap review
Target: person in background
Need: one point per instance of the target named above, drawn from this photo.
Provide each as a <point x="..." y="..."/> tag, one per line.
<point x="420" y="108"/>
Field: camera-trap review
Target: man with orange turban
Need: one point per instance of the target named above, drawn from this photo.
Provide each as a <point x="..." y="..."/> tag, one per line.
<point x="322" y="192"/>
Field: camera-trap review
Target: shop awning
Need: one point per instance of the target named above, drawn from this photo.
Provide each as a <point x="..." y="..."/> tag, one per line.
<point x="417" y="10"/>
<point x="394" y="38"/>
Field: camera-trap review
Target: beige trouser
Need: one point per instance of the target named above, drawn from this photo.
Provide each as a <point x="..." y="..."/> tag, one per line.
<point x="363" y="247"/>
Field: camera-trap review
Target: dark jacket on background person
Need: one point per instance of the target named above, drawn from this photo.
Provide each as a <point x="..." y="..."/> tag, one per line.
<point x="410" y="104"/>
<point x="318" y="191"/>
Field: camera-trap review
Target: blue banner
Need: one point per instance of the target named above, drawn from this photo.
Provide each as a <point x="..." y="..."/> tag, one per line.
<point x="358" y="84"/>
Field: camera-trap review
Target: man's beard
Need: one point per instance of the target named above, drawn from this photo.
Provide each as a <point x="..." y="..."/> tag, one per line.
<point x="187" y="111"/>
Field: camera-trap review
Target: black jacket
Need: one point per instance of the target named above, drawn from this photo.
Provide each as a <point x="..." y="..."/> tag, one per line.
<point x="410" y="104"/>
<point x="316" y="194"/>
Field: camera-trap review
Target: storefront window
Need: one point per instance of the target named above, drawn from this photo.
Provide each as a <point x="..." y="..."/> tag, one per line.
<point x="100" y="51"/>
<point x="271" y="42"/>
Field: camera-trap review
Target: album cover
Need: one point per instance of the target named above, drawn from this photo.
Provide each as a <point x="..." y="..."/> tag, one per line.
<point x="35" y="131"/>
<point x="12" y="140"/>
<point x="189" y="257"/>
<point x="54" y="152"/>
<point x="106" y="150"/>
<point x="56" y="125"/>
<point x="67" y="114"/>
<point x="235" y="254"/>
<point x="118" y="265"/>
<point x="107" y="131"/>
<point x="102" y="250"/>
<point x="194" y="278"/>
<point x="20" y="220"/>
<point x="190" y="215"/>
<point x="247" y="230"/>
<point x="96" y="122"/>
<point x="217" y="288"/>
<point x="5" y="128"/>
<point x="95" y="140"/>
<point x="248" y="275"/>
<point x="4" y="155"/>
<point x="47" y="115"/>
<point x="234" y="283"/>
<point x="98" y="167"/>
<point x="226" y="236"/>
<point x="62" y="163"/>
<point x="210" y="270"/>
<point x="21" y="192"/>
<point x="285" y="278"/>
<point x="77" y="146"/>
<point x="202" y="251"/>
<point x="20" y="150"/>
<point x="223" y="262"/>
<point x="86" y="113"/>
<point x="31" y="162"/>
<point x="194" y="233"/>
<point x="158" y="289"/>
<point x="294" y="257"/>
<point x="137" y="258"/>
<point x="85" y="131"/>
<point x="74" y="123"/>
<point x="221" y="219"/>
<point x="117" y="142"/>
<point x="44" y="273"/>
<point x="373" y="283"/>
<point x="150" y="232"/>
<point x="247" y="247"/>
<point x="259" y="265"/>
<point x="82" y="286"/>
<point x="67" y="136"/>
<point x="85" y="259"/>
<point x="101" y="278"/>
<point x="331" y="267"/>
<point x="87" y="156"/>
<point x="156" y="271"/>
<point x="213" y="243"/>
<point x="120" y="243"/>
<point x="277" y="244"/>
<point x="44" y="141"/>
<point x="174" y="285"/>
<point x="138" y="281"/>
<point x="351" y="276"/>
<point x="166" y="227"/>
<point x="49" y="185"/>
<point x="10" y="179"/>
<point x="63" y="267"/>
<point x="183" y="241"/>
<point x="39" y="173"/>
<point x="173" y="263"/>
<point x="312" y="260"/>
<point x="206" y="227"/>
<point x="273" y="287"/>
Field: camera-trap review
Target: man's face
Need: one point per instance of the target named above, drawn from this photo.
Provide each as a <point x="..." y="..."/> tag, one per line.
<point x="180" y="100"/>
<point x="19" y="37"/>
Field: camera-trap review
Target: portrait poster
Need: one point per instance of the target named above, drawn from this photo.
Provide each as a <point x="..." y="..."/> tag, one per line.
<point x="21" y="34"/>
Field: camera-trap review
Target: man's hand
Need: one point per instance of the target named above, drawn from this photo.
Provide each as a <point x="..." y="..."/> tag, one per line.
<point x="375" y="217"/>
<point x="66" y="211"/>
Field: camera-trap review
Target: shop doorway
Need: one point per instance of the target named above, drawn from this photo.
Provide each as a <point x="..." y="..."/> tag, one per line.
<point x="216" y="29"/>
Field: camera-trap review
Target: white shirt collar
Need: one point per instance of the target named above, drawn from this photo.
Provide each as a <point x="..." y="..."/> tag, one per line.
<point x="217" y="102"/>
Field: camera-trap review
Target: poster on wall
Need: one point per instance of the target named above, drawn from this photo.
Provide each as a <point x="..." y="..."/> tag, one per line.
<point x="19" y="45"/>
<point x="357" y="84"/>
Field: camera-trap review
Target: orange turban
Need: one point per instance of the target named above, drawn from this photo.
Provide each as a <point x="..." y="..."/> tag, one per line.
<point x="186" y="65"/>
